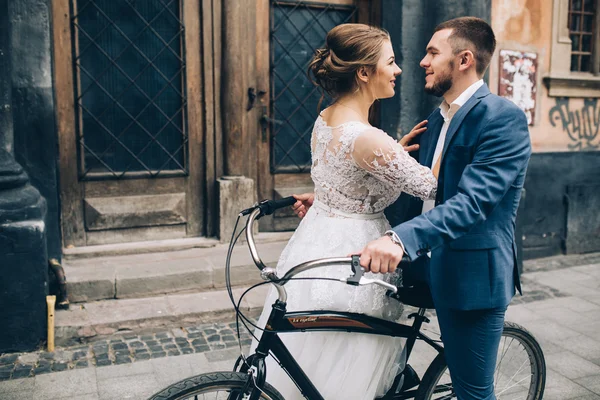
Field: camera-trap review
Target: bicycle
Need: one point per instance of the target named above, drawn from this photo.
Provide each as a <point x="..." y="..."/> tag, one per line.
<point x="248" y="379"/>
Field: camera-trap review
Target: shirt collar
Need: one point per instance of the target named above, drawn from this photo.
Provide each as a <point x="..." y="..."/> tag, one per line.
<point x="448" y="111"/>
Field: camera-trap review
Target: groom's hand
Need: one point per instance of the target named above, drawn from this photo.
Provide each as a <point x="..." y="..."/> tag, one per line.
<point x="381" y="256"/>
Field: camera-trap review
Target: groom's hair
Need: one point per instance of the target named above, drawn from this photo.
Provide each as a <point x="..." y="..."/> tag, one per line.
<point x="471" y="33"/>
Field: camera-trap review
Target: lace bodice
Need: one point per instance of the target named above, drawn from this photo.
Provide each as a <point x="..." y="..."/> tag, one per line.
<point x="359" y="169"/>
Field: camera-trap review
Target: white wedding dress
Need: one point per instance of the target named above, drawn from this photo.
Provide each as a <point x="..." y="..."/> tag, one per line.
<point x="357" y="170"/>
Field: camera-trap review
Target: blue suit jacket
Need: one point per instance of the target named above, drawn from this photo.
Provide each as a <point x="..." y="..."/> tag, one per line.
<point x="470" y="232"/>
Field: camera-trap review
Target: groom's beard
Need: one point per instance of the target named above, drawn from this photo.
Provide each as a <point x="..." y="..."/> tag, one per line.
<point x="443" y="83"/>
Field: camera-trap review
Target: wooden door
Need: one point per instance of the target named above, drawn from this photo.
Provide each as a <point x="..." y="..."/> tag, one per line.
<point x="128" y="98"/>
<point x="288" y="32"/>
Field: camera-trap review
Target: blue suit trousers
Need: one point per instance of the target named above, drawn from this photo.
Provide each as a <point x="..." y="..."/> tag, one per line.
<point x="471" y="340"/>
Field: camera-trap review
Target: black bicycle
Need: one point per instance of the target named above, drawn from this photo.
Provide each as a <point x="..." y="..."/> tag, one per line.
<point x="520" y="367"/>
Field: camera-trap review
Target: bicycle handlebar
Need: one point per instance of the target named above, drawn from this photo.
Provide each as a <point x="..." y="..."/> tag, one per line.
<point x="267" y="207"/>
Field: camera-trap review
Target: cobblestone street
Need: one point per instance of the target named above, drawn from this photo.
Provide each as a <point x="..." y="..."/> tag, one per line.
<point x="560" y="306"/>
<point x="124" y="350"/>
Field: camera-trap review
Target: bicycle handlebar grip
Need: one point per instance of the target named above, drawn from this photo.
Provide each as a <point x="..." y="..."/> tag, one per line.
<point x="272" y="205"/>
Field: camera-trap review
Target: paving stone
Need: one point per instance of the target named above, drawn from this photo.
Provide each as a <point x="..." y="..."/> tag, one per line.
<point x="217" y="346"/>
<point x="156" y="348"/>
<point x="119" y="346"/>
<point x="199" y="341"/>
<point x="159" y="354"/>
<point x="210" y="331"/>
<point x="142" y="356"/>
<point x="42" y="370"/>
<point x="7" y="368"/>
<point x="200" y="348"/>
<point x="173" y="352"/>
<point x="152" y="343"/>
<point x="82" y="364"/>
<point x="147" y="337"/>
<point x="170" y="346"/>
<point x="47" y="356"/>
<point x="122" y="360"/>
<point x="137" y="344"/>
<point x="214" y="338"/>
<point x="163" y="335"/>
<point x="79" y="355"/>
<point x="8" y="359"/>
<point x="21" y="372"/>
<point x="572" y="366"/>
<point x="187" y="350"/>
<point x="195" y="335"/>
<point x="103" y="363"/>
<point x="56" y="367"/>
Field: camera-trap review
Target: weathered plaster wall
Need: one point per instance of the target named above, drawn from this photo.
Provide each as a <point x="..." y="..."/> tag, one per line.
<point x="569" y="124"/>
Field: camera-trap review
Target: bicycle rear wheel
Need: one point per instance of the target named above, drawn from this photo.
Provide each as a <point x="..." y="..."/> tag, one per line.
<point x="520" y="370"/>
<point x="213" y="385"/>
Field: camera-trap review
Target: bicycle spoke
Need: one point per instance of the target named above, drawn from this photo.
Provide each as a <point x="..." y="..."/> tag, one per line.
<point x="516" y="383"/>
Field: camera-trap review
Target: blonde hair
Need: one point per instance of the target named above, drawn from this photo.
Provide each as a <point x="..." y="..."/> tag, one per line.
<point x="348" y="48"/>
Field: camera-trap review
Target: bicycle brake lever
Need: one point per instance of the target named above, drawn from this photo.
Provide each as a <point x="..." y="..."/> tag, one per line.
<point x="357" y="270"/>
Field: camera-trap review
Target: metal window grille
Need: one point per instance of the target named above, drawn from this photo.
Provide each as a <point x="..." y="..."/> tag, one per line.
<point x="298" y="28"/>
<point x="582" y="21"/>
<point x="130" y="90"/>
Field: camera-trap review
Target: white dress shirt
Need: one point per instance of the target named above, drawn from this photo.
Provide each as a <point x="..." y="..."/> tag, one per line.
<point x="448" y="111"/>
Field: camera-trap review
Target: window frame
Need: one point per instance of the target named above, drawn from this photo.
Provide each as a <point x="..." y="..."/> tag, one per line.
<point x="561" y="81"/>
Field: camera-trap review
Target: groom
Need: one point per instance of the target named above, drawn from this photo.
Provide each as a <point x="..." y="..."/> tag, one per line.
<point x="478" y="146"/>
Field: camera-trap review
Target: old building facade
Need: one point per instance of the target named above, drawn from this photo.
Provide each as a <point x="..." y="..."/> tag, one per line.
<point x="161" y="119"/>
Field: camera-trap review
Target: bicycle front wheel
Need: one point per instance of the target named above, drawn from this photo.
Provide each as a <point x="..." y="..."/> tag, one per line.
<point x="213" y="386"/>
<point x="520" y="370"/>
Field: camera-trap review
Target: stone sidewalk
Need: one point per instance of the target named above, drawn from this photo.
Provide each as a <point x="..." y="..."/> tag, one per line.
<point x="561" y="307"/>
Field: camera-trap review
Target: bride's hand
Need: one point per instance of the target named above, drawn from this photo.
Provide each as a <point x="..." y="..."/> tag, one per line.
<point x="305" y="201"/>
<point x="416" y="131"/>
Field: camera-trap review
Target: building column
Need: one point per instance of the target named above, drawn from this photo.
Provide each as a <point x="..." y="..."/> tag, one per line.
<point x="237" y="188"/>
<point x="23" y="255"/>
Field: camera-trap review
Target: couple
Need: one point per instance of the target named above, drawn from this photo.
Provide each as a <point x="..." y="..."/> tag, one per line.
<point x="466" y="188"/>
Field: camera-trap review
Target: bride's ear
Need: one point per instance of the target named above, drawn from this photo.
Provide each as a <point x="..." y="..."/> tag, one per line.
<point x="363" y="75"/>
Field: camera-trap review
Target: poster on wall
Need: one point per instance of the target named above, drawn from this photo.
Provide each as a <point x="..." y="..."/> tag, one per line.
<point x="517" y="81"/>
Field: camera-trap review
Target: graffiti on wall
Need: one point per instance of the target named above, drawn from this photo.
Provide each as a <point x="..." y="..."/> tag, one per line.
<point x="582" y="125"/>
<point x="518" y="80"/>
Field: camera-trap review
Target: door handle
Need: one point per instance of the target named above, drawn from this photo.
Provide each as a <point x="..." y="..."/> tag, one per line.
<point x="265" y="120"/>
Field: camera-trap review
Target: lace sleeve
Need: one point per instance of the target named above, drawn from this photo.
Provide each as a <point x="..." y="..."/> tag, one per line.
<point x="386" y="160"/>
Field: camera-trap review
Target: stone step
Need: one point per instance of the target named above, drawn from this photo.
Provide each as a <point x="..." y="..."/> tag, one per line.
<point x="187" y="270"/>
<point x="95" y="320"/>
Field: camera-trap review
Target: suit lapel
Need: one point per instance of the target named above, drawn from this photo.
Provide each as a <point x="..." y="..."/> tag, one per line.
<point x="461" y="114"/>
<point x="430" y="138"/>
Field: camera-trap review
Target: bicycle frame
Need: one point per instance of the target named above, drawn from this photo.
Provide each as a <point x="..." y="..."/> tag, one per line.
<point x="281" y="321"/>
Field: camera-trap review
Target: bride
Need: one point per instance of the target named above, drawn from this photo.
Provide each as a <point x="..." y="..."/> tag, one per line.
<point x="358" y="170"/>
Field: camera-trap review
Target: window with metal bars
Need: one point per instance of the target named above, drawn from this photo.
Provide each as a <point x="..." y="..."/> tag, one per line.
<point x="582" y="31"/>
<point x="298" y="28"/>
<point x="130" y="89"/>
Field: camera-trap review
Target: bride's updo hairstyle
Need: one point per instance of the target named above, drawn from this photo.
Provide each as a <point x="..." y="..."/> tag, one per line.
<point x="348" y="47"/>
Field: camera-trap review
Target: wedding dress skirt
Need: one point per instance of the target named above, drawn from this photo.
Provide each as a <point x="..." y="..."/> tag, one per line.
<point x="341" y="365"/>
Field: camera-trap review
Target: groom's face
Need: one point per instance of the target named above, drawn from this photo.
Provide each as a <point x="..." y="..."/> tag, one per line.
<point x="438" y="64"/>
